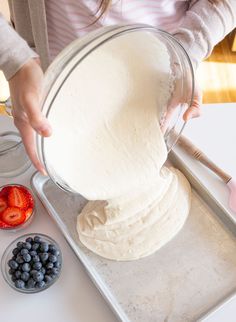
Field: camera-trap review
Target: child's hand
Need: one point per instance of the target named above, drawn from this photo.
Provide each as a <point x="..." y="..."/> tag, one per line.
<point x="195" y="109"/>
<point x="25" y="88"/>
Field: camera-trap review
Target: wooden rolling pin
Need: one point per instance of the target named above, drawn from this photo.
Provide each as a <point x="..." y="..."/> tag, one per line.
<point x="197" y="154"/>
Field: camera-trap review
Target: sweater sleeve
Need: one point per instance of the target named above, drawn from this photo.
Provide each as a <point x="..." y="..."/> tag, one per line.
<point x="14" y="50"/>
<point x="205" y="24"/>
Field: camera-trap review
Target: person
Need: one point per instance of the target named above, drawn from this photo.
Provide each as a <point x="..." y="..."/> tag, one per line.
<point x="48" y="26"/>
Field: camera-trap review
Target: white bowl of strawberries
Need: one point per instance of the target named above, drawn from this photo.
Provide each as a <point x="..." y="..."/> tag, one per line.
<point x="17" y="207"/>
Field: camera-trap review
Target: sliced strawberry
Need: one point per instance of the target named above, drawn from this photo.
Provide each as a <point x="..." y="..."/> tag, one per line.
<point x="3" y="204"/>
<point x="28" y="196"/>
<point x="28" y="213"/>
<point x="13" y="216"/>
<point x="17" y="198"/>
<point x="5" y="191"/>
<point x="4" y="225"/>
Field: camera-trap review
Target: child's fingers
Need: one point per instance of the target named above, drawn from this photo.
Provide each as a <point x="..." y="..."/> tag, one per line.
<point x="28" y="138"/>
<point x="195" y="109"/>
<point x="192" y="112"/>
<point x="36" y="119"/>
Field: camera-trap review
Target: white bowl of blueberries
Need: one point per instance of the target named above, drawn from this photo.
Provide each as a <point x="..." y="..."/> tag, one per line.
<point x="31" y="263"/>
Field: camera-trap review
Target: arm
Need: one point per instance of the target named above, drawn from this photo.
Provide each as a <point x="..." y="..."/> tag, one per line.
<point x="204" y="25"/>
<point x="25" y="78"/>
<point x="14" y="51"/>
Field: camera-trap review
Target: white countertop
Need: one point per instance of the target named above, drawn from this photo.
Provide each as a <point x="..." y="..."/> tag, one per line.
<point x="215" y="134"/>
<point x="74" y="298"/>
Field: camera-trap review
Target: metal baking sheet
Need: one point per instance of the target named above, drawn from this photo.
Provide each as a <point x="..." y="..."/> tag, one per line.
<point x="179" y="283"/>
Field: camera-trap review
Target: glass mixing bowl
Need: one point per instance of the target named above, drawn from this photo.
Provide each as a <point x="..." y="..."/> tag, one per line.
<point x="171" y="119"/>
<point x="13" y="158"/>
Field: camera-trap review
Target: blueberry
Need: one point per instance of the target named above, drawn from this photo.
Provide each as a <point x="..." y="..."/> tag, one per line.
<point x="56" y="252"/>
<point x="49" y="265"/>
<point x="52" y="247"/>
<point x="33" y="271"/>
<point x="26" y="267"/>
<point x="29" y="240"/>
<point x="20" y="267"/>
<point x="25" y="276"/>
<point x="57" y="264"/>
<point x="35" y="246"/>
<point x="11" y="271"/>
<point x="17" y="274"/>
<point x="53" y="250"/>
<point x="53" y="276"/>
<point x="55" y="271"/>
<point x="13" y="264"/>
<point x="40" y="284"/>
<point x="15" y="251"/>
<point x="43" y="270"/>
<point x="44" y="247"/>
<point x="47" y="278"/>
<point x="13" y="278"/>
<point x="30" y="283"/>
<point x="38" y="276"/>
<point x="44" y="257"/>
<point x="52" y="258"/>
<point x="37" y="266"/>
<point x="32" y="252"/>
<point x="27" y="245"/>
<point x="52" y="273"/>
<point x="19" y="259"/>
<point x="19" y="284"/>
<point x="37" y="239"/>
<point x="36" y="259"/>
<point x="19" y="245"/>
<point x="14" y="257"/>
<point x="49" y="271"/>
<point x="27" y="258"/>
<point x="24" y="251"/>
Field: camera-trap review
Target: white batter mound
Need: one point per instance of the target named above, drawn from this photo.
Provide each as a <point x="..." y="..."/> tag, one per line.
<point x="113" y="150"/>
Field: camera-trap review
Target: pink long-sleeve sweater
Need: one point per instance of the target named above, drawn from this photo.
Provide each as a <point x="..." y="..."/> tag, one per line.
<point x="198" y="24"/>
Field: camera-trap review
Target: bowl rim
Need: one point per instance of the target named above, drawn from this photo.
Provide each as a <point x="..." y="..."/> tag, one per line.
<point x="33" y="212"/>
<point x="13" y="245"/>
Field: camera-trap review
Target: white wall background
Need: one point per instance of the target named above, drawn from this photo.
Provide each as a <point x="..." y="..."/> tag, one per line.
<point x="4" y="9"/>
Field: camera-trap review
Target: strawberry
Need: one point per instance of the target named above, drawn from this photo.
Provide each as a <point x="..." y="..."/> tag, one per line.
<point x="28" y="196"/>
<point x="3" y="204"/>
<point x="17" y="198"/>
<point x="4" y="225"/>
<point x="5" y="191"/>
<point x="28" y="213"/>
<point x="13" y="216"/>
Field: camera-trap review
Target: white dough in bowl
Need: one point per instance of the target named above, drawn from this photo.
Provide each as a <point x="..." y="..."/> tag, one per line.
<point x="112" y="149"/>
